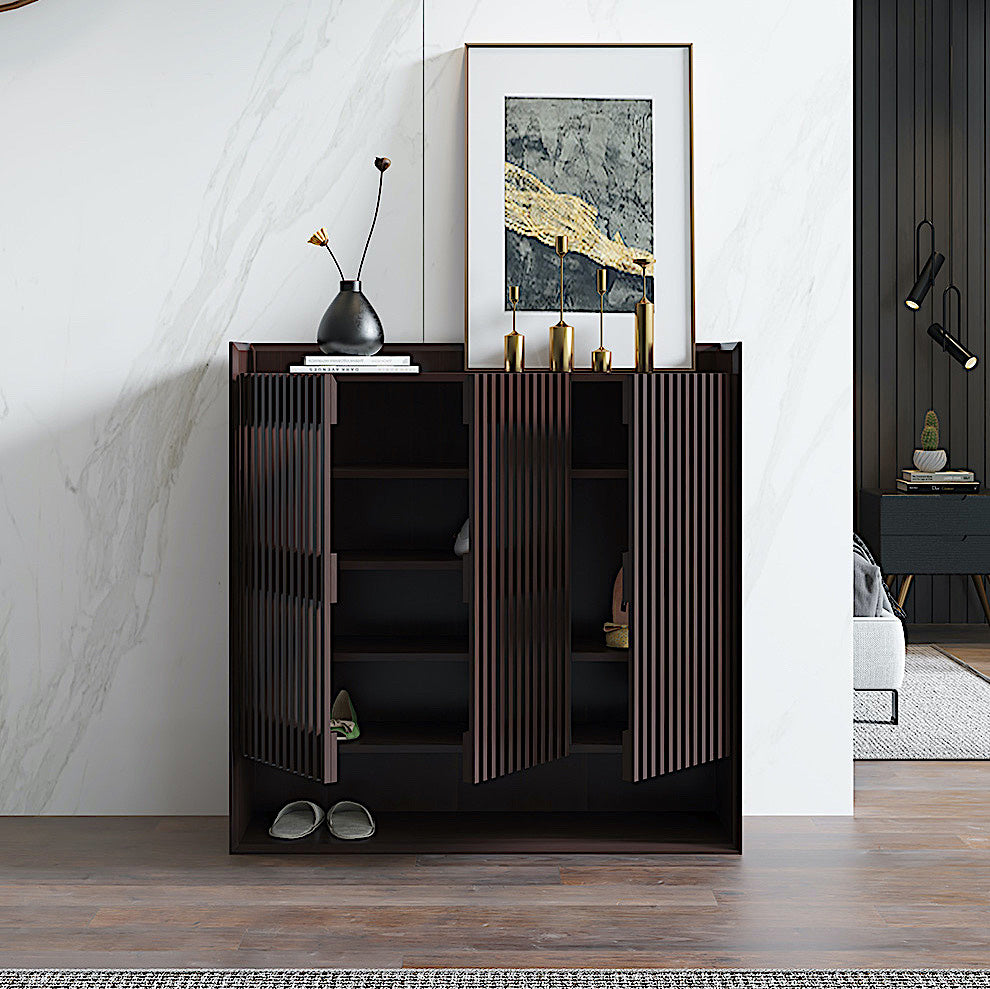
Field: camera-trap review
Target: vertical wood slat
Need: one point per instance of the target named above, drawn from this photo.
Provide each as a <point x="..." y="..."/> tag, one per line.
<point x="908" y="134"/>
<point x="682" y="580"/>
<point x="520" y="516"/>
<point x="921" y="597"/>
<point x="977" y="284"/>
<point x="328" y="417"/>
<point x="955" y="436"/>
<point x="287" y="578"/>
<point x="943" y="368"/>
<point x="238" y="593"/>
<point x="886" y="302"/>
<point x="867" y="263"/>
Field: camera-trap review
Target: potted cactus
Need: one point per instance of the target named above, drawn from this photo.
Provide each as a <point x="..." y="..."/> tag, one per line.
<point x="929" y="458"/>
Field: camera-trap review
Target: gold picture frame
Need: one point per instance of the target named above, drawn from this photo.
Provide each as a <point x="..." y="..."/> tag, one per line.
<point x="690" y="311"/>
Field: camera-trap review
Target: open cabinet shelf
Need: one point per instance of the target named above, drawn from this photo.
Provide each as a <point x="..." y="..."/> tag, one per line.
<point x="402" y="649"/>
<point x="493" y="716"/>
<point x="546" y="833"/>
<point x="387" y="472"/>
<point x="412" y="560"/>
<point x="403" y="736"/>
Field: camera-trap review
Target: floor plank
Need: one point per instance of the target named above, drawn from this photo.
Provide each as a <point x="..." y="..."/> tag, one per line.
<point x="905" y="883"/>
<point x="975" y="656"/>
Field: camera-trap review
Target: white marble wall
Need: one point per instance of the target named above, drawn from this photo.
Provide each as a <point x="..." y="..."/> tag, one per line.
<point x="163" y="166"/>
<point x="773" y="212"/>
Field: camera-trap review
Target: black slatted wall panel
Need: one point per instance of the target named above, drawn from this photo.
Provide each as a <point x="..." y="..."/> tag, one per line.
<point x="920" y="151"/>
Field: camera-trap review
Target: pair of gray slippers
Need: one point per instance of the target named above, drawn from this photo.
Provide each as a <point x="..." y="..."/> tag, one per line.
<point x="347" y="819"/>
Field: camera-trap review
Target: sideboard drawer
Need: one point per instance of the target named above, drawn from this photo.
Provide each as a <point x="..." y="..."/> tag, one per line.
<point x="935" y="554"/>
<point x="944" y="514"/>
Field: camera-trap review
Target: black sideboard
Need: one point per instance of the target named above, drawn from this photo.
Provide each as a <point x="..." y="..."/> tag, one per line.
<point x="493" y="717"/>
<point x="912" y="534"/>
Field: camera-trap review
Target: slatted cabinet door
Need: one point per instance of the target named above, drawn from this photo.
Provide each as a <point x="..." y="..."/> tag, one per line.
<point x="681" y="571"/>
<point x="280" y="548"/>
<point x="520" y="572"/>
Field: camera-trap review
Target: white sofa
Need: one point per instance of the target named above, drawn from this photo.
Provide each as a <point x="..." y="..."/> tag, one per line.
<point x="878" y="658"/>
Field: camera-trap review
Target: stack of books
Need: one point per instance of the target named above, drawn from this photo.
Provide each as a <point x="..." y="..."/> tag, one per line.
<point x="377" y="364"/>
<point x="938" y="482"/>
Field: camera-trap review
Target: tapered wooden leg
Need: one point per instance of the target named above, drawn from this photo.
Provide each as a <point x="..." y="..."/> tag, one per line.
<point x="905" y="587"/>
<point x="891" y="577"/>
<point x="981" y="592"/>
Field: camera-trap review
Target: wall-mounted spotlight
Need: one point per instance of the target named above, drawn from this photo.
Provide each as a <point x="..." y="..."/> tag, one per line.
<point x="926" y="274"/>
<point x="940" y="334"/>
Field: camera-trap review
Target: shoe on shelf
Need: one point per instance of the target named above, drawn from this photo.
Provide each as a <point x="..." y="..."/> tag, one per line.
<point x="462" y="541"/>
<point x="616" y="636"/>
<point x="343" y="718"/>
<point x="297" y="819"/>
<point x="350" y="821"/>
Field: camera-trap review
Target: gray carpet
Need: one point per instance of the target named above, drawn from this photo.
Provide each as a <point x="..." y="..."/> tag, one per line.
<point x="494" y="979"/>
<point x="944" y="713"/>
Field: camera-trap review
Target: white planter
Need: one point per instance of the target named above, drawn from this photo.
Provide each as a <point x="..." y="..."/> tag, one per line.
<point x="929" y="460"/>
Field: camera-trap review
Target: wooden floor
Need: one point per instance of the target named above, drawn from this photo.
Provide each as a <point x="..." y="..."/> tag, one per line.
<point x="906" y="883"/>
<point x="969" y="643"/>
<point x="977" y="657"/>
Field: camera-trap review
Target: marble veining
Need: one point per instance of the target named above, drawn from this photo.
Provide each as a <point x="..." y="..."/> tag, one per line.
<point x="773" y="247"/>
<point x="163" y="170"/>
<point x="277" y="164"/>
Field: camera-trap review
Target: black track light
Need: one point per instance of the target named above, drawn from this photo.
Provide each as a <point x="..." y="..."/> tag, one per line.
<point x="948" y="343"/>
<point x="926" y="274"/>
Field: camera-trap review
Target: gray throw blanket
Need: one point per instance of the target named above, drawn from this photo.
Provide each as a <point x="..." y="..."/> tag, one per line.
<point x="871" y="599"/>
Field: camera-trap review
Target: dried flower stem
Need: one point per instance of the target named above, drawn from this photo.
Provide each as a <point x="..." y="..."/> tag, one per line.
<point x="381" y="179"/>
<point x="335" y="261"/>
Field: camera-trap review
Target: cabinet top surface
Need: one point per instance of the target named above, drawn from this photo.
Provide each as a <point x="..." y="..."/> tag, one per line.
<point x="927" y="496"/>
<point x="445" y="362"/>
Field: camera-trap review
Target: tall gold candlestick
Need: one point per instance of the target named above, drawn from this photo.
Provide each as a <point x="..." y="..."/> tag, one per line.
<point x="515" y="343"/>
<point x="644" y="325"/>
<point x="601" y="359"/>
<point x="561" y="335"/>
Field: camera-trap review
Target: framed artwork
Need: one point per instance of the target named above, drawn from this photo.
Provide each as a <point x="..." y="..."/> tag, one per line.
<point x="593" y="142"/>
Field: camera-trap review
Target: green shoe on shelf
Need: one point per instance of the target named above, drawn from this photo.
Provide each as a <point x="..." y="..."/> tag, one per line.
<point x="343" y="718"/>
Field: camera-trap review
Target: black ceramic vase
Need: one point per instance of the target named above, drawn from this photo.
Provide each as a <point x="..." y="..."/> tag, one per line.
<point x="350" y="325"/>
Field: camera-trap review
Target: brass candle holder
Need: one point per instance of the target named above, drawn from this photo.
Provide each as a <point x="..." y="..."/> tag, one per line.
<point x="561" y="335"/>
<point x="644" y="324"/>
<point x="601" y="359"/>
<point x="515" y="343"/>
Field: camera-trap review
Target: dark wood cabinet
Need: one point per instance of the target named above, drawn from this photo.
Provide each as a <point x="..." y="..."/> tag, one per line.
<point x="493" y="717"/>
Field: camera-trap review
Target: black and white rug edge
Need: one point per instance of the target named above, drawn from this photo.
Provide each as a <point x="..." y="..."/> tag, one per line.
<point x="944" y="712"/>
<point x="493" y="979"/>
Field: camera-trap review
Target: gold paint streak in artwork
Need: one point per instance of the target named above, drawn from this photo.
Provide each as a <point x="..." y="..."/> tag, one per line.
<point x="533" y="209"/>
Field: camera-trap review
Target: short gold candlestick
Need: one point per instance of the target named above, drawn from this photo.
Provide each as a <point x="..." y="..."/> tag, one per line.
<point x="644" y="324"/>
<point x="515" y="343"/>
<point x="601" y="359"/>
<point x="561" y="335"/>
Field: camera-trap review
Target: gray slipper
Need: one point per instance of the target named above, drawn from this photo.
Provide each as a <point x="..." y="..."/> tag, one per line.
<point x="296" y="820"/>
<point x="350" y="821"/>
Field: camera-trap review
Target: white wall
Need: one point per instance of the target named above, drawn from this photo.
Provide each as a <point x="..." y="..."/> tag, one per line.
<point x="162" y="168"/>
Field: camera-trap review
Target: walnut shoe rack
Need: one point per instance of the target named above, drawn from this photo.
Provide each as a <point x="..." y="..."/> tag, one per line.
<point x="493" y="718"/>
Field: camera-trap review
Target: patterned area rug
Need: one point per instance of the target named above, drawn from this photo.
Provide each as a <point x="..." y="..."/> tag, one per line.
<point x="944" y="713"/>
<point x="493" y="979"/>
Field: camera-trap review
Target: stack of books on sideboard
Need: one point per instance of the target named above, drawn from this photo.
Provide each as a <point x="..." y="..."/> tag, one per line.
<point x="338" y="364"/>
<point x="938" y="482"/>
